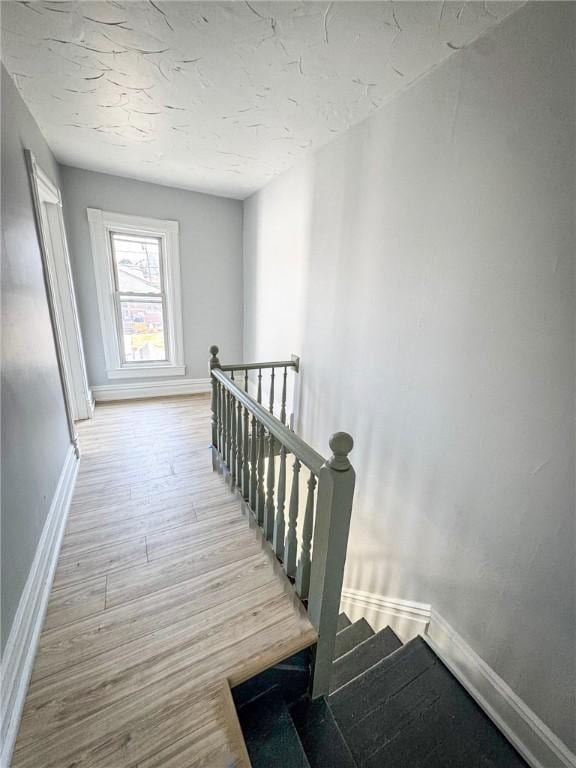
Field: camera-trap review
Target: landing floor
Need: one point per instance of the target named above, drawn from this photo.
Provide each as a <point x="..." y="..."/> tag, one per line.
<point x="163" y="597"/>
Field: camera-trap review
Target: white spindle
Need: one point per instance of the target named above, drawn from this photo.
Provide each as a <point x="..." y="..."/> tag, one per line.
<point x="279" y="524"/>
<point x="303" y="571"/>
<point x="270" y="483"/>
<point x="291" y="549"/>
<point x="260" y="495"/>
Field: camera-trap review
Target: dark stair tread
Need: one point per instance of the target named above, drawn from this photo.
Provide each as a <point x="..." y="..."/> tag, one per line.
<point x="363" y="656"/>
<point x="343" y="621"/>
<point x="476" y="743"/>
<point x="270" y="734"/>
<point x="409" y="710"/>
<point x="320" y="735"/>
<point x="407" y="661"/>
<point x="351" y="636"/>
<point x="292" y="676"/>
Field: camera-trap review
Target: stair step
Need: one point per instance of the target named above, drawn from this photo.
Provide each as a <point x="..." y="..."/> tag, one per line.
<point x="408" y="710"/>
<point x="363" y="656"/>
<point x="351" y="636"/>
<point x="270" y="734"/>
<point x="343" y="621"/>
<point x="320" y="735"/>
<point x="292" y="676"/>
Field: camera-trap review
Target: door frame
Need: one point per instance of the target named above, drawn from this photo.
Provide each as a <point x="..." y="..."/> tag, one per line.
<point x="61" y="297"/>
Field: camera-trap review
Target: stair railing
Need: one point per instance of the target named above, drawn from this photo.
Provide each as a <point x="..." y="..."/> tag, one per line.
<point x="246" y="439"/>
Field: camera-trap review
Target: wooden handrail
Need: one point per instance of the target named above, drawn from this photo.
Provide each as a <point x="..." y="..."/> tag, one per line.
<point x="244" y="439"/>
<point x="294" y="444"/>
<point x="294" y="363"/>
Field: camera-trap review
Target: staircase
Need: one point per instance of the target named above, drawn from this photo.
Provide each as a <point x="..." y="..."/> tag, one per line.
<point x="359" y="698"/>
<point x="390" y="706"/>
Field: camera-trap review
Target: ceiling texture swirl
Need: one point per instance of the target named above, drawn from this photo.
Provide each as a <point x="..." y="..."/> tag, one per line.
<point x="220" y="96"/>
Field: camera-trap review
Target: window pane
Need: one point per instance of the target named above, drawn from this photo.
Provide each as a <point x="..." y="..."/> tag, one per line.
<point x="143" y="330"/>
<point x="137" y="263"/>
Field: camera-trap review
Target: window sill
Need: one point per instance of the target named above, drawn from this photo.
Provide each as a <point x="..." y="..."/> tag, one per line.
<point x="147" y="371"/>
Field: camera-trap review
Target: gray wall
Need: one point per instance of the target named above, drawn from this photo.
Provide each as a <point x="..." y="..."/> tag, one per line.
<point x="422" y="265"/>
<point x="210" y="261"/>
<point x="34" y="429"/>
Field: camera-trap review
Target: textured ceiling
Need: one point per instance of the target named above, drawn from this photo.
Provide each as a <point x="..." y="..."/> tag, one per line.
<point x="219" y="96"/>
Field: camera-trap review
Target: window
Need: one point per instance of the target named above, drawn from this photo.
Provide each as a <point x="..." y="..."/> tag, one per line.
<point x="140" y="296"/>
<point x="137" y="270"/>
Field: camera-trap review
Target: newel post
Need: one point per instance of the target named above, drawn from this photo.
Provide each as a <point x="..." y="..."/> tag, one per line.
<point x="336" y="481"/>
<point x="214" y="363"/>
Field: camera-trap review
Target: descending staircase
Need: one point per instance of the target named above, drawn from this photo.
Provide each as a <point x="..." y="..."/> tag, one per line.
<point x="390" y="706"/>
<point x="359" y="699"/>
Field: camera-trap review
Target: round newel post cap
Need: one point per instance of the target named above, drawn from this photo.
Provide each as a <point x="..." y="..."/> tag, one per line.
<point x="341" y="443"/>
<point x="214" y="362"/>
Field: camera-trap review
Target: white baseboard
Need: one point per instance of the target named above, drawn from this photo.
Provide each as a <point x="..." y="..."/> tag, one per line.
<point x="18" y="657"/>
<point x="521" y="726"/>
<point x="406" y="617"/>
<point x="140" y="389"/>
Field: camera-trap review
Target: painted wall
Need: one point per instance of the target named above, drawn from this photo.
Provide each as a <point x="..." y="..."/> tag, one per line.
<point x="423" y="266"/>
<point x="210" y="262"/>
<point x="34" y="429"/>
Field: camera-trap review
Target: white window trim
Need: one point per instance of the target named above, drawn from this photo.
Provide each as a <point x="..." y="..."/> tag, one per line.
<point x="101" y="224"/>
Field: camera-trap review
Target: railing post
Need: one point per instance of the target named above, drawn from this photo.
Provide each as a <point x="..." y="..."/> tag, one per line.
<point x="336" y="481"/>
<point x="214" y="363"/>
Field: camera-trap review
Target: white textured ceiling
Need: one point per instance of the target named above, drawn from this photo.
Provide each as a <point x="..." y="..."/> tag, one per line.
<point x="219" y="96"/>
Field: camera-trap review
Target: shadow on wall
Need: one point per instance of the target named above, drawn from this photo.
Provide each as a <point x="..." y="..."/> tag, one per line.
<point x="434" y="316"/>
<point x="413" y="342"/>
<point x="345" y="372"/>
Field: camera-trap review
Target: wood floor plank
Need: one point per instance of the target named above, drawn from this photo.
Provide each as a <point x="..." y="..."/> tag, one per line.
<point x="98" y="562"/>
<point x="163" y="596"/>
<point x="95" y="501"/>
<point x="117" y="513"/>
<point x="117" y="530"/>
<point x="214" y="752"/>
<point x="115" y="627"/>
<point x="167" y="484"/>
<point x="121" y="736"/>
<point x="202" y="749"/>
<point x="170" y="657"/>
<point x="211" y="506"/>
<point x="100" y="482"/>
<point x="124" y="586"/>
<point x="76" y="602"/>
<point x="174" y="540"/>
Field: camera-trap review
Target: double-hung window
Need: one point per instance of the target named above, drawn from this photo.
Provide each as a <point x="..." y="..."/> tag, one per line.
<point x="137" y="269"/>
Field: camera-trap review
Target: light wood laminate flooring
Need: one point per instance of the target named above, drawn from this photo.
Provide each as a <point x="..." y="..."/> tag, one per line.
<point x="163" y="597"/>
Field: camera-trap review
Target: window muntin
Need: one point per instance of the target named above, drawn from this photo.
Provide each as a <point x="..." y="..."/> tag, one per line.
<point x="140" y="297"/>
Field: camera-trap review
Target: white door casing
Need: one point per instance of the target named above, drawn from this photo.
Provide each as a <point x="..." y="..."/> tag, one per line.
<point x="61" y="287"/>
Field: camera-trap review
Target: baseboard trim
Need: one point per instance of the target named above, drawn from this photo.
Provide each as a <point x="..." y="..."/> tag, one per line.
<point x="406" y="617"/>
<point x="20" y="651"/>
<point x="521" y="726"/>
<point x="143" y="389"/>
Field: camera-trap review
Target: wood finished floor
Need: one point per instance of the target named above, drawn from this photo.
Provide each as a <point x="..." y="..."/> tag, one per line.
<point x="163" y="597"/>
